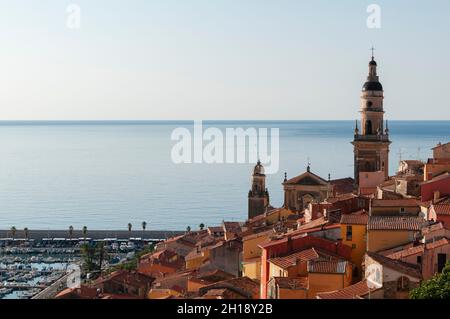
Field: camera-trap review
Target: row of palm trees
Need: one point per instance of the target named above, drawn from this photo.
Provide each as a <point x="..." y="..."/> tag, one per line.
<point x="201" y="227"/>
<point x="84" y="230"/>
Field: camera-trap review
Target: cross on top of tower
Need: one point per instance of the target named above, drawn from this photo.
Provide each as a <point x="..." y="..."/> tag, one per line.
<point x="373" y="54"/>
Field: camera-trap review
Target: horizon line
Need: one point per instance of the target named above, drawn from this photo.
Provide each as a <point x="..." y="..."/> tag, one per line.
<point x="148" y="121"/>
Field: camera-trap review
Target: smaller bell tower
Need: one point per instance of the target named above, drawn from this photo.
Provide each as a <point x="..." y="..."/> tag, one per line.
<point x="258" y="196"/>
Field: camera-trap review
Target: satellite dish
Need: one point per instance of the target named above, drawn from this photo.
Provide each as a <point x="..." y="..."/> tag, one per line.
<point x="374" y="276"/>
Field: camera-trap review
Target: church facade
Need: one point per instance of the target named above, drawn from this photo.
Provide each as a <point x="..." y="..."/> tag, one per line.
<point x="371" y="141"/>
<point x="304" y="189"/>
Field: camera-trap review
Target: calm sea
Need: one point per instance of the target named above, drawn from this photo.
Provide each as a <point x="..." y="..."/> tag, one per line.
<point x="107" y="174"/>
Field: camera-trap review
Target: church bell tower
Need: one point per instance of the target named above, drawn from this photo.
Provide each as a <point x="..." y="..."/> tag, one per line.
<point x="258" y="196"/>
<point x="371" y="141"/>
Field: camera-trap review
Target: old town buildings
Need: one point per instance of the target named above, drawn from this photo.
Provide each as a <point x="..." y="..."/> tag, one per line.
<point x="324" y="240"/>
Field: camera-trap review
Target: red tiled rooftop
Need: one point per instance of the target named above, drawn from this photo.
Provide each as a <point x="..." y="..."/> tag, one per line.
<point x="359" y="218"/>
<point x="408" y="202"/>
<point x="396" y="223"/>
<point x="407" y="252"/>
<point x="356" y="291"/>
<point x="314" y="223"/>
<point x="403" y="267"/>
<point x="444" y="200"/>
<point x="341" y="198"/>
<point x="293" y="259"/>
<point x="327" y="266"/>
<point x="442" y="209"/>
<point x="438" y="243"/>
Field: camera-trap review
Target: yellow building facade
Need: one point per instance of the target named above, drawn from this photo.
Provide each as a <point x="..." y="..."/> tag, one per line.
<point x="354" y="234"/>
<point x="251" y="254"/>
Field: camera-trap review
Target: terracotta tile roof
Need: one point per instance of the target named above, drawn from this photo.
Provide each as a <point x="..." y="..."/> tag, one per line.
<point x="341" y="198"/>
<point x="83" y="292"/>
<point x="214" y="275"/>
<point x="359" y="218"/>
<point x="356" y="291"/>
<point x="438" y="243"/>
<point x="403" y="267"/>
<point x="293" y="259"/>
<point x="307" y="178"/>
<point x="396" y="223"/>
<point x="407" y="252"/>
<point x="174" y="277"/>
<point x="314" y="223"/>
<point x="442" y="209"/>
<point x="195" y="254"/>
<point x="407" y="202"/>
<point x="215" y="229"/>
<point x="444" y="200"/>
<point x="291" y="283"/>
<point x="327" y="266"/>
<point x="241" y="285"/>
<point x="259" y="234"/>
<point x="131" y="278"/>
<point x="432" y="228"/>
<point x="233" y="227"/>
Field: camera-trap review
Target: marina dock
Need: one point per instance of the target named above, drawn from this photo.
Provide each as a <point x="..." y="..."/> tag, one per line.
<point x="92" y="234"/>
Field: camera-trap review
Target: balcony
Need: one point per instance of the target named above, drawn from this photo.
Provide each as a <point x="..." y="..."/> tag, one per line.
<point x="375" y="138"/>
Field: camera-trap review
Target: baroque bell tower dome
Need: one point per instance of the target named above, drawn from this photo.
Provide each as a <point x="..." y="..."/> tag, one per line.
<point x="371" y="141"/>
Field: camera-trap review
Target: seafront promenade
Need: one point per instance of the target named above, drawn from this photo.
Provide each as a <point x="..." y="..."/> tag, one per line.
<point x="92" y="234"/>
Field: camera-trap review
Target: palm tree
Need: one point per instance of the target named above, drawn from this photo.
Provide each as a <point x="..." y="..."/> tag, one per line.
<point x="202" y="226"/>
<point x="144" y="227"/>
<point x="25" y="230"/>
<point x="130" y="226"/>
<point x="71" y="231"/>
<point x="84" y="232"/>
<point x="13" y="232"/>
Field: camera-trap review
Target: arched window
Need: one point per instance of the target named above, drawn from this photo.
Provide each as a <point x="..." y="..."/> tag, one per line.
<point x="368" y="127"/>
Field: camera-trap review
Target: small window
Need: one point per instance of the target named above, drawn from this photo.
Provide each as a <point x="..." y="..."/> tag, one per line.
<point x="349" y="233"/>
<point x="419" y="260"/>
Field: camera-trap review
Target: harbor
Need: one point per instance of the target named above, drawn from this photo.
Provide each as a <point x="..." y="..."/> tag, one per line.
<point x="32" y="264"/>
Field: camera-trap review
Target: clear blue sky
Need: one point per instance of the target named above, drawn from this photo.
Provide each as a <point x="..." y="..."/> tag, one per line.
<point x="220" y="59"/>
